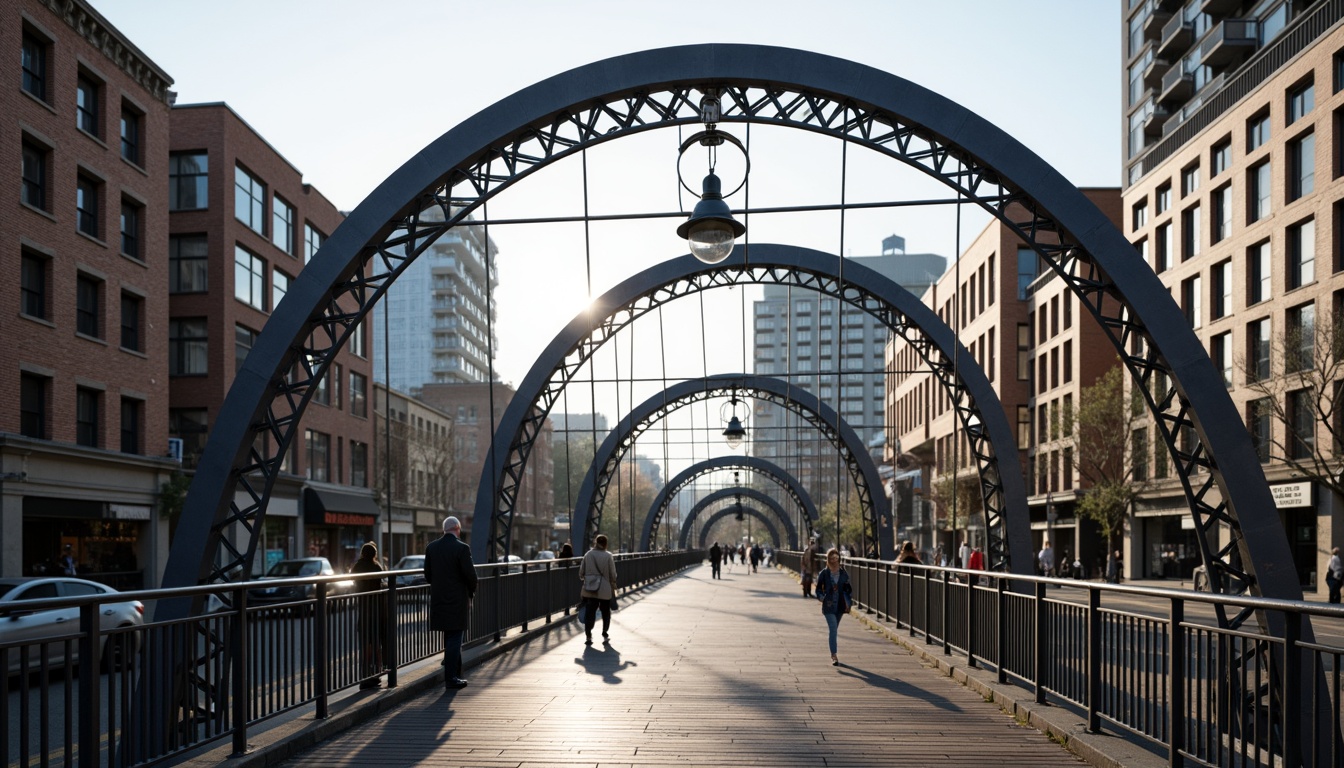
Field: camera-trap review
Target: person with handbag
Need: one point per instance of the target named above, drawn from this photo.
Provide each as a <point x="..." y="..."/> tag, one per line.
<point x="598" y="574"/>
<point x="834" y="590"/>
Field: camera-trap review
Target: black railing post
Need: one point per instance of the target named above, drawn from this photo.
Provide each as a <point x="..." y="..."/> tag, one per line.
<point x="526" y="605"/>
<point x="320" y="660"/>
<point x="550" y="591"/>
<point x="947" y="616"/>
<point x="928" y="609"/>
<point x="970" y="623"/>
<point x="90" y="687"/>
<point x="1038" y="679"/>
<point x="883" y="592"/>
<point x="391" y="616"/>
<point x="240" y="673"/>
<point x="1093" y="659"/>
<point x="1290" y="694"/>
<point x="1001" y="621"/>
<point x="1176" y="683"/>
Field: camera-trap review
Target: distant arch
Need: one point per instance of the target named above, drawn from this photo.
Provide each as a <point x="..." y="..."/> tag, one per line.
<point x="746" y="510"/>
<point x="790" y="530"/>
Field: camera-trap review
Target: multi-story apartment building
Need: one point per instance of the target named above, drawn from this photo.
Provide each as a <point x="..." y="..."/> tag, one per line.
<point x="837" y="356"/>
<point x="83" y="379"/>
<point x="442" y="310"/>
<point x="419" y="438"/>
<point x="1232" y="194"/>
<point x="476" y="410"/>
<point x="1038" y="351"/>
<point x="242" y="224"/>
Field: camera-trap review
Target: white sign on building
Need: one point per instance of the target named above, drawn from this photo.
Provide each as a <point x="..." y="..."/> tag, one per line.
<point x="1291" y="495"/>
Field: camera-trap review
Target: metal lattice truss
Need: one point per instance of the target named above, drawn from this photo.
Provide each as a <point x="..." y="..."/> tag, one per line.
<point x="658" y="89"/>
<point x="746" y="510"/>
<point x="737" y="494"/>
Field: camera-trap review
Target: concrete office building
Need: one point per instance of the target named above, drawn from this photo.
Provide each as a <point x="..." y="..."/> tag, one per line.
<point x="420" y="439"/>
<point x="1232" y="156"/>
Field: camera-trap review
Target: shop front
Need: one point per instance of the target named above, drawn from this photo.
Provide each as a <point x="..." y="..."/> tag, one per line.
<point x="1166" y="540"/>
<point x="95" y="540"/>
<point x="337" y="523"/>
<point x="1296" y="503"/>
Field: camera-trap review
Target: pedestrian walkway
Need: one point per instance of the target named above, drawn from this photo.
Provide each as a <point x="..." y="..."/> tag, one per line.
<point x="700" y="672"/>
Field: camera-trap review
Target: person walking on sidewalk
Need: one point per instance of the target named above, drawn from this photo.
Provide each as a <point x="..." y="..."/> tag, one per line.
<point x="716" y="561"/>
<point x="598" y="573"/>
<point x="808" y="566"/>
<point x="452" y="584"/>
<point x="1334" y="575"/>
<point x="371" y="621"/>
<point x="833" y="590"/>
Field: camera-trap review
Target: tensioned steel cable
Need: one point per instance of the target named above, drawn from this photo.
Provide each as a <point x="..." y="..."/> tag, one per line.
<point x="592" y="329"/>
<point x="840" y="313"/>
<point x="662" y="355"/>
<point x="956" y="337"/>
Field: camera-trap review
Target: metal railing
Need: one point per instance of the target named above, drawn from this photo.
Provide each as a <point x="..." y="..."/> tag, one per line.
<point x="1152" y="662"/>
<point x="154" y="691"/>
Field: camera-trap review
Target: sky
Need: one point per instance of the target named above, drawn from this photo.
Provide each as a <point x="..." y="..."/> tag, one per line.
<point x="348" y="90"/>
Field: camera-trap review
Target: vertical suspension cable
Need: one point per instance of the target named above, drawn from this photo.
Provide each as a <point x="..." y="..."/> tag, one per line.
<point x="840" y="313"/>
<point x="956" y="357"/>
<point x="634" y="457"/>
<point x="662" y="353"/>
<point x="490" y="368"/>
<point x="592" y="359"/>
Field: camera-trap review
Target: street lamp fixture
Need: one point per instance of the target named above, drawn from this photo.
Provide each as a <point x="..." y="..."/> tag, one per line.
<point x="711" y="230"/>
<point x="735" y="432"/>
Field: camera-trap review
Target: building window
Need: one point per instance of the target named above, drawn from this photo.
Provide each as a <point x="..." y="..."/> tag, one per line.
<point x="191" y="426"/>
<point x="1221" y="353"/>
<point x="356" y="342"/>
<point x="34" y="176"/>
<point x="1221" y="293"/>
<point x="1190" y="179"/>
<point x="312" y="240"/>
<point x="1140" y="215"/>
<point x="1300" y="346"/>
<point x="1190" y="234"/>
<point x="88" y="308"/>
<point x="1220" y="158"/>
<point x="1257" y="350"/>
<point x="1026" y="270"/>
<point x="319" y="454"/>
<point x="132" y="314"/>
<point x="1023" y="352"/>
<point x="1301" y="166"/>
<point x="1258" y="189"/>
<point x="35" y="65"/>
<point x="1301" y="100"/>
<point x="1191" y="295"/>
<point x="33" y="405"/>
<point x="86" y="416"/>
<point x="1339" y="71"/>
<point x="249" y="278"/>
<point x="130" y="230"/>
<point x="282" y="224"/>
<point x="1164" y="249"/>
<point x="1258" y="415"/>
<point x="1139" y="453"/>
<point x="86" y="105"/>
<point x="359" y="398"/>
<point x="1220" y="226"/>
<point x="243" y="340"/>
<point x="1301" y="254"/>
<point x="359" y="464"/>
<point x="279" y="287"/>
<point x="1261" y="271"/>
<point x="33" y="285"/>
<point x="1068" y="361"/>
<point x="188" y="173"/>
<point x="1257" y="131"/>
<point x="187" y="264"/>
<point x="130" y="425"/>
<point x="321" y="390"/>
<point x="187" y="346"/>
<point x="130" y="134"/>
<point x="1302" y="417"/>
<point x="249" y="200"/>
<point x="86" y="206"/>
<point x="1163" y="199"/>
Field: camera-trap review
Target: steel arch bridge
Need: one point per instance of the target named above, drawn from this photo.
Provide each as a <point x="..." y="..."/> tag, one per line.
<point x="746" y="510"/>
<point x="559" y="117"/>
<point x="724" y="494"/>
<point x="975" y="403"/>
<point x="607" y="460"/>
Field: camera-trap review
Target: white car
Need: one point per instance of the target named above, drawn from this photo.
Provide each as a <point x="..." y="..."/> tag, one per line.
<point x="19" y="624"/>
<point x="411" y="562"/>
<point x="544" y="554"/>
<point x="515" y="563"/>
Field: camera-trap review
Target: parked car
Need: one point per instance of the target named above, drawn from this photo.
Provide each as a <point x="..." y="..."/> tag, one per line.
<point x="515" y="563"/>
<point x="19" y="624"/>
<point x="409" y="562"/>
<point x="545" y="554"/>
<point x="291" y="569"/>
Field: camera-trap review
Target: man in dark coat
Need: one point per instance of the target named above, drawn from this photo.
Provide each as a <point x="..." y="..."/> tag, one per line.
<point x="715" y="559"/>
<point x="452" y="584"/>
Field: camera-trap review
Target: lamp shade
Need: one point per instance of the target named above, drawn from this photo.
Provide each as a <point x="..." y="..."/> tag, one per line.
<point x="735" y="432"/>
<point x="711" y="230"/>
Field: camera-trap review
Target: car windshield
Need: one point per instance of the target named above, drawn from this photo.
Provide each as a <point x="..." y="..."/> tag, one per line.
<point x="287" y="568"/>
<point x="411" y="562"/>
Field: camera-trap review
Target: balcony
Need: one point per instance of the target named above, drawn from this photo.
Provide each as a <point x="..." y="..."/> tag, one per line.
<point x="1177" y="36"/>
<point x="1152" y="74"/>
<point x="1157" y="19"/>
<point x="1152" y="125"/>
<point x="1219" y="7"/>
<point x="1230" y="43"/>
<point x="1177" y="86"/>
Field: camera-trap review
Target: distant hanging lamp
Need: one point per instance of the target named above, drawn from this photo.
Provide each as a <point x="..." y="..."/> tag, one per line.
<point x="735" y="433"/>
<point x="711" y="230"/>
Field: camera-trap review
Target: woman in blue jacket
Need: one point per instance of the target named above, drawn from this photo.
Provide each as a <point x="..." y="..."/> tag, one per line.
<point x="833" y="590"/>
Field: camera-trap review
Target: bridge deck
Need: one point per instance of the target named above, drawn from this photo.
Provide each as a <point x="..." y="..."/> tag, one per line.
<point x="700" y="672"/>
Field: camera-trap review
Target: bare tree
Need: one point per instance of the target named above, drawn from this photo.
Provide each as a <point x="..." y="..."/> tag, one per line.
<point x="1110" y="453"/>
<point x="1305" y="398"/>
<point x="958" y="501"/>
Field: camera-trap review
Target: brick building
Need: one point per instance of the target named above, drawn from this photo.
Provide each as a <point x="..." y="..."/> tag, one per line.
<point x="419" y="438"/>
<point x="83" y="379"/>
<point x="242" y="224"/>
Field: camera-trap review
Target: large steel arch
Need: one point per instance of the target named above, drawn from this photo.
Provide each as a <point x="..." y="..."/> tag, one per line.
<point x="975" y="403"/>
<point x="724" y="494"/>
<point x="607" y="100"/>
<point x="607" y="460"/>
<point x="746" y="510"/>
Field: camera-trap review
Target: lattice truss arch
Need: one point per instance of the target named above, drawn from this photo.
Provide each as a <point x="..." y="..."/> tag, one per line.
<point x="516" y="154"/>
<point x="747" y="494"/>
<point x="762" y="467"/>
<point x="746" y="510"/>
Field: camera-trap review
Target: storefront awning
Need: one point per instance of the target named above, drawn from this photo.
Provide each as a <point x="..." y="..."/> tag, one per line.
<point x="326" y="507"/>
